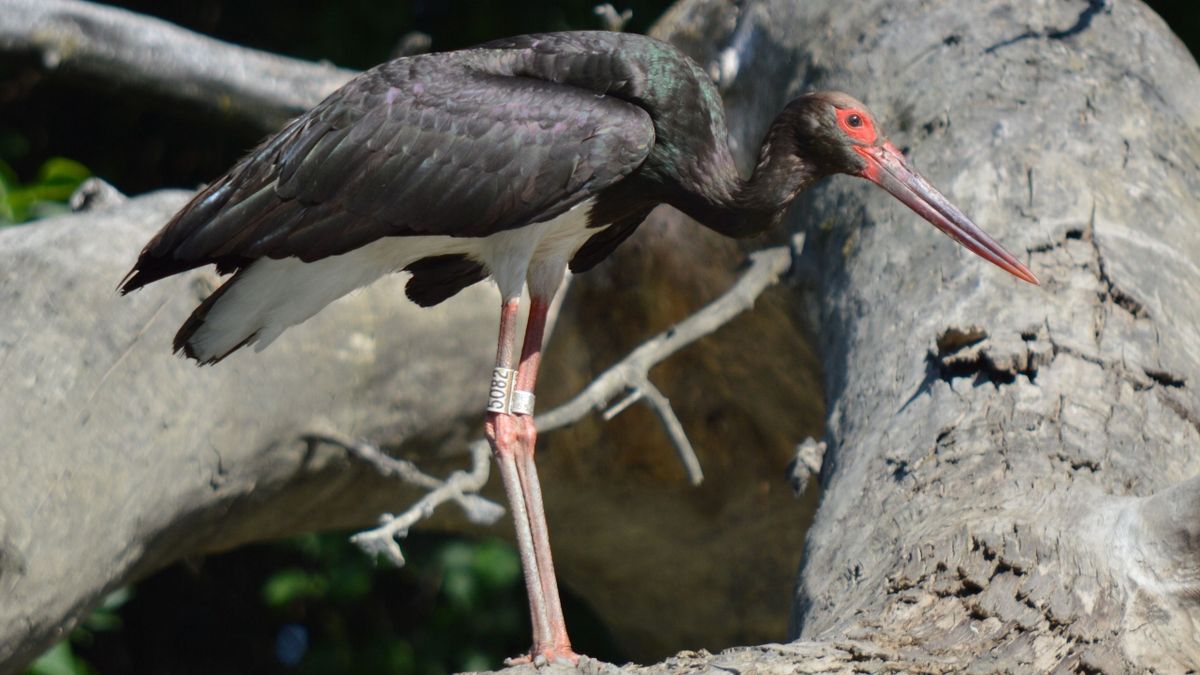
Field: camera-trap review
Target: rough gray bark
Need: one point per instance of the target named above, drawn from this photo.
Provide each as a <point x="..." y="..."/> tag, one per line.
<point x="1017" y="465"/>
<point x="1011" y="475"/>
<point x="1011" y="481"/>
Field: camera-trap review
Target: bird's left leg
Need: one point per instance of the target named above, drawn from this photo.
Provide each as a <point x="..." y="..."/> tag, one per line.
<point x="503" y="431"/>
<point x="545" y="277"/>
<point x="526" y="379"/>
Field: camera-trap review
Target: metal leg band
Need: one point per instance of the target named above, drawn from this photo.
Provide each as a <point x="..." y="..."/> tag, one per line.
<point x="500" y="392"/>
<point x="522" y="403"/>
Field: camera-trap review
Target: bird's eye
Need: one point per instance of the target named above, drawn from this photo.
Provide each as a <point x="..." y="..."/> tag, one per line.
<point x="857" y="125"/>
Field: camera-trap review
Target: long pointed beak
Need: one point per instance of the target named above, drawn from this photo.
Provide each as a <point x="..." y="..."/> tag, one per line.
<point x="887" y="169"/>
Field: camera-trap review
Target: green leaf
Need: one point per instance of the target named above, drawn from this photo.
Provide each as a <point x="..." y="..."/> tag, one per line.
<point x="61" y="169"/>
<point x="58" y="178"/>
<point x="8" y="177"/>
<point x="348" y="583"/>
<point x="6" y="213"/>
<point x="59" y="660"/>
<point x="496" y="564"/>
<point x="117" y="598"/>
<point x="459" y="588"/>
<point x="292" y="584"/>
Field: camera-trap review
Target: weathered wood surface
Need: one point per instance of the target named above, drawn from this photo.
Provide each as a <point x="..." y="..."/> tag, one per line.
<point x="1012" y="475"/>
<point x="1011" y="480"/>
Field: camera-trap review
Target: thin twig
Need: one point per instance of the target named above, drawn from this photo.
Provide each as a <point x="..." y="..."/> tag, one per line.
<point x="386" y="465"/>
<point x="620" y="406"/>
<point x="612" y="20"/>
<point x="461" y="487"/>
<point x="687" y="454"/>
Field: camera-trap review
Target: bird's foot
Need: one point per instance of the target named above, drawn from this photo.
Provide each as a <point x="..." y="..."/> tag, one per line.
<point x="559" y="654"/>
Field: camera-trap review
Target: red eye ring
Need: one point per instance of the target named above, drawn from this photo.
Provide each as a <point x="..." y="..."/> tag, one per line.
<point x="857" y="125"/>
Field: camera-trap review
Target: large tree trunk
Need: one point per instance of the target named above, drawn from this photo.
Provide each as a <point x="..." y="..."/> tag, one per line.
<point x="1012" y="477"/>
<point x="1012" y="474"/>
<point x="1010" y="482"/>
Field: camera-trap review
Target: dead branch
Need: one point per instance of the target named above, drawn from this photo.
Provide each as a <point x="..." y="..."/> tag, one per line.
<point x="110" y="46"/>
<point x="630" y="375"/>
<point x="644" y="390"/>
<point x="461" y="487"/>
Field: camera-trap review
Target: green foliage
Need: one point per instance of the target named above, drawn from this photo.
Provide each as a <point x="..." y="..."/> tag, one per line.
<point x="45" y="196"/>
<point x="316" y="604"/>
<point x="475" y="572"/>
<point x="106" y="617"/>
<point x="60" y="660"/>
<point x="336" y="573"/>
<point x="291" y="585"/>
<point x="467" y="616"/>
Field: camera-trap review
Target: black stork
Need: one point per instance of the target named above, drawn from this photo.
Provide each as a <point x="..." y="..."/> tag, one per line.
<point x="514" y="160"/>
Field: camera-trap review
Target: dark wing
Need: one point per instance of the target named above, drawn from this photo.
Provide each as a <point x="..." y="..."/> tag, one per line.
<point x="420" y="146"/>
<point x="601" y="245"/>
<point x="438" y="278"/>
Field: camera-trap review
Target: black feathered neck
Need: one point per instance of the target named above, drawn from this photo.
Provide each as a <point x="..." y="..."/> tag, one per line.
<point x="788" y="163"/>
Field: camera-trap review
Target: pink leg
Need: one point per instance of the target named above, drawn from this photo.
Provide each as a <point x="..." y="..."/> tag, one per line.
<point x="531" y="358"/>
<point x="512" y="437"/>
<point x="501" y="430"/>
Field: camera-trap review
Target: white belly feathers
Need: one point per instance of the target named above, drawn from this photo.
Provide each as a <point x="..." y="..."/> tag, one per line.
<point x="270" y="295"/>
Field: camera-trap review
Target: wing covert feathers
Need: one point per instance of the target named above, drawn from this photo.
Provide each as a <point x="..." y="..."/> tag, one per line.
<point x="412" y="147"/>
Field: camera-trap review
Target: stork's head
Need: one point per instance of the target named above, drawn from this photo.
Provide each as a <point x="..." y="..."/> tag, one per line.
<point x="835" y="133"/>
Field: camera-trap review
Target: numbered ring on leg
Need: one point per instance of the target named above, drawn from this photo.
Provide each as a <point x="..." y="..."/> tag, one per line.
<point x="521" y="403"/>
<point x="500" y="391"/>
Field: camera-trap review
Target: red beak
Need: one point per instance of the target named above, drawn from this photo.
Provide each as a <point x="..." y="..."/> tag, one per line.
<point x="887" y="169"/>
